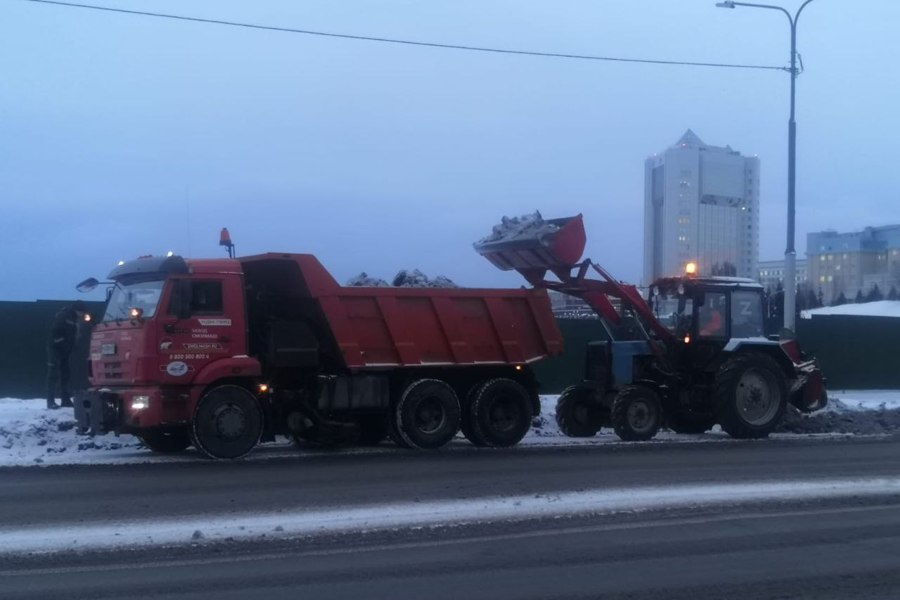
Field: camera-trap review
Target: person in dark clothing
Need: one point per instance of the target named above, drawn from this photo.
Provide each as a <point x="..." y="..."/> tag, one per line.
<point x="62" y="338"/>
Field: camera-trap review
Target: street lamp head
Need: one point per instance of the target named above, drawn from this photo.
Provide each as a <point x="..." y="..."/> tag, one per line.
<point x="729" y="4"/>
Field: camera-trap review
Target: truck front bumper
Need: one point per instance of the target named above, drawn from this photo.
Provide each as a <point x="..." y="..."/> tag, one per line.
<point x="97" y="411"/>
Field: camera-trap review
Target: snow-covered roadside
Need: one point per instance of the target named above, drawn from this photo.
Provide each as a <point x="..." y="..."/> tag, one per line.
<point x="32" y="435"/>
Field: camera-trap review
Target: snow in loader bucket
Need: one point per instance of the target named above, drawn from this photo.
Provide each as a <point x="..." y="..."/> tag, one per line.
<point x="531" y="243"/>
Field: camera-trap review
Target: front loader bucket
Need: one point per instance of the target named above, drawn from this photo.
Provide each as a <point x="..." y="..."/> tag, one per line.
<point x="531" y="243"/>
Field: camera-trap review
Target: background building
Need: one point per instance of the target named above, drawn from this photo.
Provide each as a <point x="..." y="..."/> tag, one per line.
<point x="700" y="204"/>
<point x="771" y="274"/>
<point x="854" y="262"/>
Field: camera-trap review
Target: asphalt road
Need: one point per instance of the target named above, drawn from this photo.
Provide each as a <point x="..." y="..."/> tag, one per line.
<point x="836" y="548"/>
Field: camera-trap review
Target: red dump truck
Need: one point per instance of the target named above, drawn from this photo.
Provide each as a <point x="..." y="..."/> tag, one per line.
<point x="225" y="353"/>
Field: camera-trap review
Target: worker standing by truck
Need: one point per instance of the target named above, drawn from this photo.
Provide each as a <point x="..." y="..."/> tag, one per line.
<point x="61" y="341"/>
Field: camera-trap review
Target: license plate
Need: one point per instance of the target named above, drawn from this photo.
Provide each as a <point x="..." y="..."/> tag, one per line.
<point x="108" y="349"/>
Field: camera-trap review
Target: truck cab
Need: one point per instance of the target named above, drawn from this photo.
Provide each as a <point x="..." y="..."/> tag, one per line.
<point x="170" y="327"/>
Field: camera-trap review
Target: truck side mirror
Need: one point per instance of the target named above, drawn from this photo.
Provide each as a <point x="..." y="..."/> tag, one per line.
<point x="87" y="285"/>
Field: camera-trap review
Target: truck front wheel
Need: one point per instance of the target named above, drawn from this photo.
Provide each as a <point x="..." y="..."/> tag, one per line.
<point x="427" y="414"/>
<point x="500" y="413"/>
<point x="227" y="422"/>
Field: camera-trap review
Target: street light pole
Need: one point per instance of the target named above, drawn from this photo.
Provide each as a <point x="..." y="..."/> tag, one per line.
<point x="790" y="254"/>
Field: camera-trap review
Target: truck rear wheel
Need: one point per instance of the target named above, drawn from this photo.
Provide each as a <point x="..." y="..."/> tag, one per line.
<point x="166" y="442"/>
<point x="465" y="423"/>
<point x="636" y="413"/>
<point x="500" y="413"/>
<point x="751" y="395"/>
<point x="576" y="413"/>
<point x="427" y="414"/>
<point x="227" y="422"/>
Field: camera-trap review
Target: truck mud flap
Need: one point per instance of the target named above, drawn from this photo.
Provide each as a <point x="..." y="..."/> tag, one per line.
<point x="96" y="412"/>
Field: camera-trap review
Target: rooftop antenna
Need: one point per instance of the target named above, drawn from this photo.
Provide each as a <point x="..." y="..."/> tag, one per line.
<point x="225" y="240"/>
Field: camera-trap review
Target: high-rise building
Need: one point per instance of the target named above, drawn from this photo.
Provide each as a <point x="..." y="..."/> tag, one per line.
<point x="701" y="204"/>
<point x="771" y="274"/>
<point x="853" y="263"/>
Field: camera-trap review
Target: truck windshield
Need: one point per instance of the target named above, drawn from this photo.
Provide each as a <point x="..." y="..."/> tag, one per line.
<point x="137" y="294"/>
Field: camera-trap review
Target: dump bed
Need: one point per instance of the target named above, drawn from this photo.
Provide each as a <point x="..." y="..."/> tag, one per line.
<point x="374" y="327"/>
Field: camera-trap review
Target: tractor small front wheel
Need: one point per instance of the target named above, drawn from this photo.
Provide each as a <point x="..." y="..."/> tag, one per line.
<point x="636" y="413"/>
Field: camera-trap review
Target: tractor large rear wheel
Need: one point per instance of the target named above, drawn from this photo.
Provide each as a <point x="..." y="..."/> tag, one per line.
<point x="577" y="413"/>
<point x="751" y="395"/>
<point x="636" y="413"/>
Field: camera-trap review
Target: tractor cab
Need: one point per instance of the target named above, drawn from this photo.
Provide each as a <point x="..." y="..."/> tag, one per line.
<point x="713" y="310"/>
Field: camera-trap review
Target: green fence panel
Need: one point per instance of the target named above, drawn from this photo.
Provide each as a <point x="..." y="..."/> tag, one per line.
<point x="557" y="373"/>
<point x="23" y="347"/>
<point x="854" y="352"/>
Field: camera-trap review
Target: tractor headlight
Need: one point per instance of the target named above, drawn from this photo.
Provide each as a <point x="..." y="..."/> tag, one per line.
<point x="140" y="402"/>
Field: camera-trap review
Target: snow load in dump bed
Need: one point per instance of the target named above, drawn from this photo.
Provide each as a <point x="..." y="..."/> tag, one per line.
<point x="531" y="243"/>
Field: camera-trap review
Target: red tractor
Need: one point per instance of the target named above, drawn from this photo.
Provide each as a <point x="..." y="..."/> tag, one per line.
<point x="693" y="354"/>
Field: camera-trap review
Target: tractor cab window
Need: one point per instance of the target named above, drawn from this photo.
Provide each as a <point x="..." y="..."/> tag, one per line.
<point x="746" y="314"/>
<point x="711" y="315"/>
<point x="674" y="312"/>
<point x="196" y="298"/>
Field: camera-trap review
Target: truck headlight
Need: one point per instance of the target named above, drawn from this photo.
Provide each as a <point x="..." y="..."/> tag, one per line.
<point x="140" y="402"/>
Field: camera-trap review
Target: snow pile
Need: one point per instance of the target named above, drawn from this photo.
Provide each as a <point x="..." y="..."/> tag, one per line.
<point x="526" y="226"/>
<point x="418" y="279"/>
<point x="881" y="308"/>
<point x="363" y="280"/>
<point x="854" y="412"/>
<point x="31" y="434"/>
<point x="405" y="278"/>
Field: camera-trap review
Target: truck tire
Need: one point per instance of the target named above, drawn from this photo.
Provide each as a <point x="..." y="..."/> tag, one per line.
<point x="575" y="413"/>
<point x="686" y="422"/>
<point x="166" y="442"/>
<point x="465" y="423"/>
<point x="636" y="413"/>
<point x="500" y="413"/>
<point x="227" y="422"/>
<point x="751" y="395"/>
<point x="427" y="414"/>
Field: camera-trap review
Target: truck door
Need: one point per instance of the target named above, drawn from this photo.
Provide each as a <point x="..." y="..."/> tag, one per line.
<point x="204" y="322"/>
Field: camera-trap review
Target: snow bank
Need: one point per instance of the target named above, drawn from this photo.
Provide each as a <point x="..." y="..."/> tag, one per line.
<point x="32" y="435"/>
<point x="882" y="308"/>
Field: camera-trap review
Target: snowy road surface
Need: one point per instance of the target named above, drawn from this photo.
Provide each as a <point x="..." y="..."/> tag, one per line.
<point x="803" y="517"/>
<point x="795" y="516"/>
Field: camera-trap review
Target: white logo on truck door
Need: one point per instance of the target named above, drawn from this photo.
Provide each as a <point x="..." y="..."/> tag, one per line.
<point x="177" y="368"/>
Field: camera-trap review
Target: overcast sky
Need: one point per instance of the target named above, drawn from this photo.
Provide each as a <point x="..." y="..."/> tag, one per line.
<point x="124" y="135"/>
